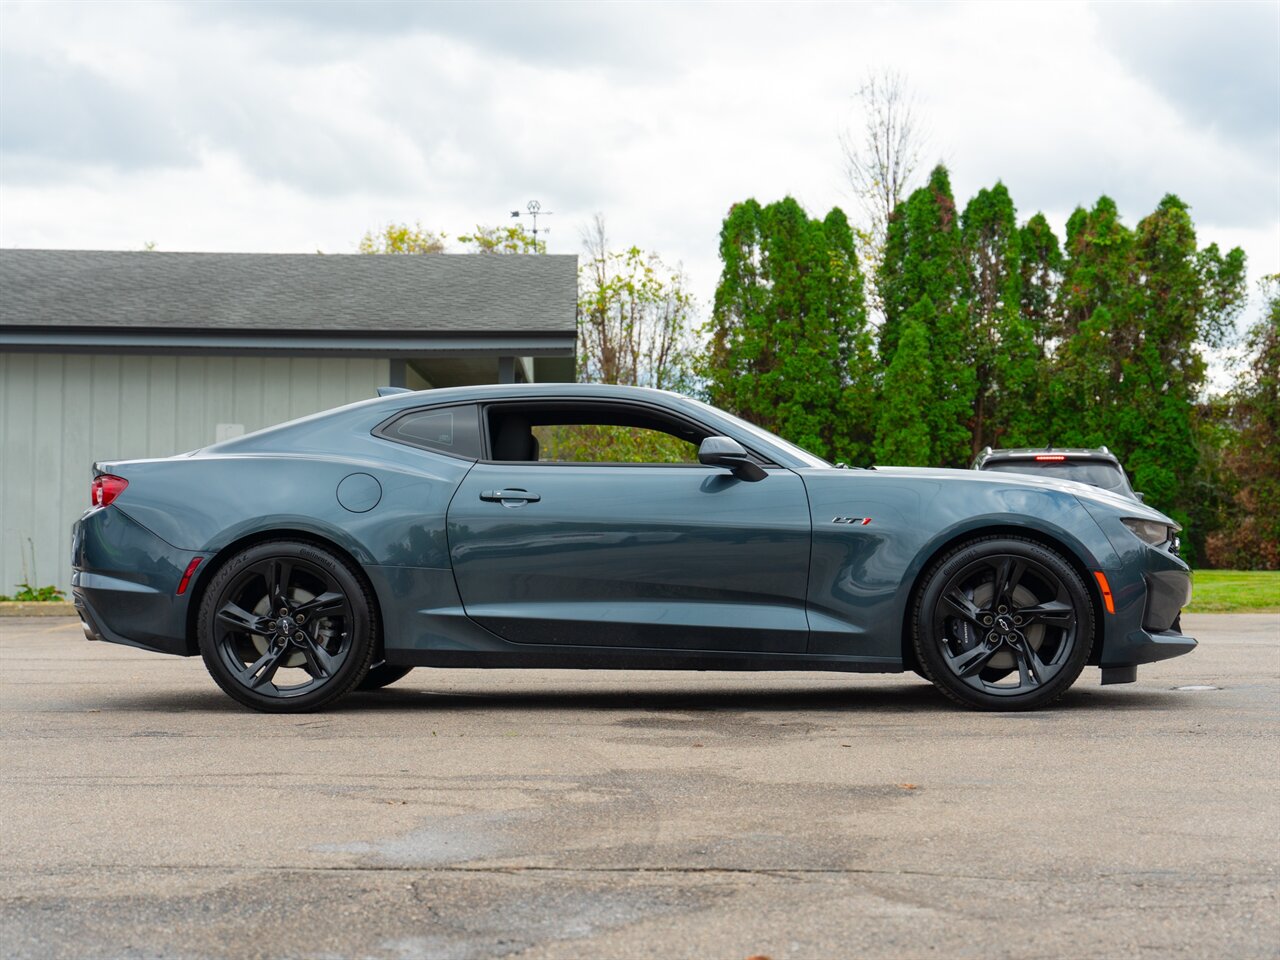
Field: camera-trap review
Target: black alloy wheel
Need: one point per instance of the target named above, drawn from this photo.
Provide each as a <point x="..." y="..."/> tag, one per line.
<point x="286" y="627"/>
<point x="1003" y="623"/>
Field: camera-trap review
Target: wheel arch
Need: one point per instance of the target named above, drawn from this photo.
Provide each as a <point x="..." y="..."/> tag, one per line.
<point x="225" y="553"/>
<point x="1069" y="552"/>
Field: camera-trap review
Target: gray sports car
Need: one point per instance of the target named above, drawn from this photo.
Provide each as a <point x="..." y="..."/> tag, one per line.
<point x="575" y="525"/>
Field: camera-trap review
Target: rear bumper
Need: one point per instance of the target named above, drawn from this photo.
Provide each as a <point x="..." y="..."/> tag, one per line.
<point x="124" y="583"/>
<point x="95" y="628"/>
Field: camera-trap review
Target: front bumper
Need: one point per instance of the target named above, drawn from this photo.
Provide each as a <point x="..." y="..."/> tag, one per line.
<point x="1147" y="648"/>
<point x="1150" y="588"/>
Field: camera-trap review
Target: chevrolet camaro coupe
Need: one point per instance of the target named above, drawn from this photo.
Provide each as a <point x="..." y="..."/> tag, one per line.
<point x="494" y="526"/>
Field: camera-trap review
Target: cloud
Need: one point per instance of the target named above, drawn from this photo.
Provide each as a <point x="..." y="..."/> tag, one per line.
<point x="555" y="35"/>
<point x="1216" y="62"/>
<point x="284" y="126"/>
<point x="55" y="114"/>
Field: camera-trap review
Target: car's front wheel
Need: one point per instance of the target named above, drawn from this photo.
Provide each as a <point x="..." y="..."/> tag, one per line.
<point x="1003" y="623"/>
<point x="286" y="626"/>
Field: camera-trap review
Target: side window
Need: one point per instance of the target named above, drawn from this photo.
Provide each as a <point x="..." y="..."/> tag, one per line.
<point x="611" y="443"/>
<point x="451" y="430"/>
<point x="565" y="432"/>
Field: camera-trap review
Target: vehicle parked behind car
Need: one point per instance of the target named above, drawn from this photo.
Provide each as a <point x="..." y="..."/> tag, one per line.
<point x="1098" y="467"/>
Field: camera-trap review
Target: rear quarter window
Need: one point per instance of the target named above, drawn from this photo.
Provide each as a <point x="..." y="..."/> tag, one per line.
<point x="451" y="430"/>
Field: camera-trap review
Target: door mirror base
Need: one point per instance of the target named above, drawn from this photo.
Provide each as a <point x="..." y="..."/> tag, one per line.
<point x="729" y="453"/>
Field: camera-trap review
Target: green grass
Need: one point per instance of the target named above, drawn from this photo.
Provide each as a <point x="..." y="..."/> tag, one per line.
<point x="1236" y="591"/>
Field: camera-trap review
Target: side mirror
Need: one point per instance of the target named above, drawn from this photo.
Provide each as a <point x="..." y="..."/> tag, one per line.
<point x="1142" y="497"/>
<point x="727" y="452"/>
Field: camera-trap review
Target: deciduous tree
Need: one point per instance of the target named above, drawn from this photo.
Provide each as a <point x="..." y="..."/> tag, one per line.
<point x="1250" y="536"/>
<point x="634" y="328"/>
<point x="402" y="238"/>
<point x="634" y="316"/>
<point x="881" y="154"/>
<point x="502" y="239"/>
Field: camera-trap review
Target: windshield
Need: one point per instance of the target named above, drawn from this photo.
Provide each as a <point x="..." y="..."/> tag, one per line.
<point x="804" y="456"/>
<point x="1096" y="473"/>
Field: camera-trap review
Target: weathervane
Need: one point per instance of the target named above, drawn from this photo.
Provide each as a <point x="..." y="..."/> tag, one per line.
<point x="535" y="211"/>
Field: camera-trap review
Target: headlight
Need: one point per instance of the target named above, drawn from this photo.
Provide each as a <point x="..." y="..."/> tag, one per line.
<point x="1150" y="531"/>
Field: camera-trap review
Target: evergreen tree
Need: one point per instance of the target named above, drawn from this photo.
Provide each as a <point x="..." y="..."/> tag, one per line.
<point x="790" y="349"/>
<point x="1185" y="299"/>
<point x="1163" y="371"/>
<point x="1077" y="387"/>
<point x="1137" y="306"/>
<point x="1096" y="311"/>
<point x="925" y="258"/>
<point x="903" y="435"/>
<point x="1041" y="270"/>
<point x="1006" y="356"/>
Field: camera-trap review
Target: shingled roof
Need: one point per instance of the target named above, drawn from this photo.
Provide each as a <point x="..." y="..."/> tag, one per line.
<point x="446" y="294"/>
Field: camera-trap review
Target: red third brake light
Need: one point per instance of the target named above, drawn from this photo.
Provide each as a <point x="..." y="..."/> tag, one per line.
<point x="1055" y="456"/>
<point x="106" y="488"/>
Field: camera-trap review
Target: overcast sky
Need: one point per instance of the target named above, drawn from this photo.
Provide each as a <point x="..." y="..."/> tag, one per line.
<point x="294" y="127"/>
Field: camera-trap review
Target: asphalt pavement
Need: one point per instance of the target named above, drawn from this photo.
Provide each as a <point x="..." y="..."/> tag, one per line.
<point x="540" y="814"/>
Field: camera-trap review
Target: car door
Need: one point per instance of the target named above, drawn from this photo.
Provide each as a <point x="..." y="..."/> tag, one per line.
<point x="643" y="555"/>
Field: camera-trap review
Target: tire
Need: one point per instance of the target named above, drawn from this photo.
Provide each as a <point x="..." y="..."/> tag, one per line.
<point x="382" y="675"/>
<point x="1002" y="623"/>
<point x="287" y="627"/>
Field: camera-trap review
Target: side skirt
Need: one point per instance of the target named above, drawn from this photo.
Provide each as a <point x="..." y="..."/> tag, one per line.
<point x="611" y="659"/>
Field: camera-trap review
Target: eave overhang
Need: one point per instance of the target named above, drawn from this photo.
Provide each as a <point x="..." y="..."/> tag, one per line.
<point x="293" y="343"/>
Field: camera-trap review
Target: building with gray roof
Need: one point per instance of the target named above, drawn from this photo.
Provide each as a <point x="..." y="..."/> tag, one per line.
<point x="107" y="354"/>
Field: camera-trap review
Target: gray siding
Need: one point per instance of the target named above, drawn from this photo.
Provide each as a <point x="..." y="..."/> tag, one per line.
<point x="60" y="413"/>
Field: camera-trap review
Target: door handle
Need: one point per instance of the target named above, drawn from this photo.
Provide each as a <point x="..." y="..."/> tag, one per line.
<point x="513" y="495"/>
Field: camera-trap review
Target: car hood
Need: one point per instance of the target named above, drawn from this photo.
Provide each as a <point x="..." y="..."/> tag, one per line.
<point x="1082" y="491"/>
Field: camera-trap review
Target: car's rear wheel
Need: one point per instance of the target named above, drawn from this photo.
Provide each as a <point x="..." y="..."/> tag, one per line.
<point x="382" y="675"/>
<point x="1003" y="623"/>
<point x="287" y="627"/>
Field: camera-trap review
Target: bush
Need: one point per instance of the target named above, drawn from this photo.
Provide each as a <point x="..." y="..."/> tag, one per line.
<point x="29" y="594"/>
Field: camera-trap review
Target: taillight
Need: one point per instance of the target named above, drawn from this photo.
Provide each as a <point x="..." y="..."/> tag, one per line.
<point x="106" y="488"/>
<point x="1054" y="457"/>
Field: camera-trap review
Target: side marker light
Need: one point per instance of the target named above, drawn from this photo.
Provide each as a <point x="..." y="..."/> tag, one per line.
<point x="186" y="577"/>
<point x="1107" y="600"/>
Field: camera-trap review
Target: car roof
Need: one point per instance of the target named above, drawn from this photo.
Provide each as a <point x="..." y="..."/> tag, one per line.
<point x="509" y="391"/>
<point x="388" y="405"/>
